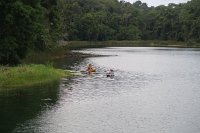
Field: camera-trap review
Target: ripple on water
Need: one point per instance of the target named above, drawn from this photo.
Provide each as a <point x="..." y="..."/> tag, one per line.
<point x="97" y="85"/>
<point x="158" y="92"/>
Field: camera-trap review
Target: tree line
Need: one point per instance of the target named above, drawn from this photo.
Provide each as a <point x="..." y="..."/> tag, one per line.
<point x="119" y="20"/>
<point x="38" y="24"/>
<point x="28" y="25"/>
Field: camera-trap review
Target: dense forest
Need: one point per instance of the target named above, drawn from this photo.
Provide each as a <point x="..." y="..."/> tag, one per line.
<point x="38" y="24"/>
<point x="113" y="20"/>
<point x="28" y="25"/>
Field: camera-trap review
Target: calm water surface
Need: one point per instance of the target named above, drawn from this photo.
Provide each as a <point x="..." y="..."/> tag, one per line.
<point x="155" y="90"/>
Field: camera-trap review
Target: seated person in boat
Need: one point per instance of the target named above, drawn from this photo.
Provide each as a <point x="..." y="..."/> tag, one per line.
<point x="90" y="69"/>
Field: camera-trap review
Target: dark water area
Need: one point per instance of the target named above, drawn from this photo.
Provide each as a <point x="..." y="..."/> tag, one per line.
<point x="154" y="90"/>
<point x="17" y="106"/>
<point x="22" y="104"/>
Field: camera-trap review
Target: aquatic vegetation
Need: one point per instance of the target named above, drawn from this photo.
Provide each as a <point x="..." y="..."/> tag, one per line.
<point x="29" y="75"/>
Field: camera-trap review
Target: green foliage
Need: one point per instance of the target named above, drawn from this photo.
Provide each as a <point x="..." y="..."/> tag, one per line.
<point x="29" y="75"/>
<point x="9" y="53"/>
<point x="38" y="24"/>
<point x="27" y="24"/>
<point x="92" y="20"/>
<point x="16" y="25"/>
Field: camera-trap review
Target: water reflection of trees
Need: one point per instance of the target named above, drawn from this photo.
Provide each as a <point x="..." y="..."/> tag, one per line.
<point x="20" y="105"/>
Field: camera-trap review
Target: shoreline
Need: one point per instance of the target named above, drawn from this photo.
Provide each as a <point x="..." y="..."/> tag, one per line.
<point x="77" y="45"/>
<point x="30" y="75"/>
<point x="80" y="55"/>
<point x="65" y="51"/>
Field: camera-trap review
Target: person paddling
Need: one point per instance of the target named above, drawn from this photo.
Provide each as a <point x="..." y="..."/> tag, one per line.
<point x="90" y="69"/>
<point x="110" y="73"/>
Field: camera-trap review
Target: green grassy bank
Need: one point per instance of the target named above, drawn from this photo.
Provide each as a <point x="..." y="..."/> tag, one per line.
<point x="29" y="75"/>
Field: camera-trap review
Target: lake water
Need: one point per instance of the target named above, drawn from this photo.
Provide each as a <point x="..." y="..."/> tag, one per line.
<point x="155" y="90"/>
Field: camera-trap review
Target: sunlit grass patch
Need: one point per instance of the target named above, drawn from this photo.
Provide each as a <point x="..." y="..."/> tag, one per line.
<point x="29" y="75"/>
